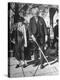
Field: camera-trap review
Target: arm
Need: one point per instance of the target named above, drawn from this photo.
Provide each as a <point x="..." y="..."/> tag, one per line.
<point x="29" y="28"/>
<point x="31" y="36"/>
<point x="25" y="37"/>
<point x="45" y="30"/>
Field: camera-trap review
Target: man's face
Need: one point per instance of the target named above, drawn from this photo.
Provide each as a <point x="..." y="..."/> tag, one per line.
<point x="35" y="11"/>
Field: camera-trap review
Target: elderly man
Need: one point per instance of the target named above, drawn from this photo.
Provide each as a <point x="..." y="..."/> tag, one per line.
<point x="37" y="30"/>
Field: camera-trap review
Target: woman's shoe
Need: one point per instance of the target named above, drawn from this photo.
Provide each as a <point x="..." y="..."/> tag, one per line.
<point x="17" y="66"/>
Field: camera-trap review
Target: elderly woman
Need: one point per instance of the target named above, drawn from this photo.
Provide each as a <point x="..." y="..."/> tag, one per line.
<point x="21" y="42"/>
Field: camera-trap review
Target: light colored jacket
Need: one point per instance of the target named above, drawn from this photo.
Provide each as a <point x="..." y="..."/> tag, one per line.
<point x="23" y="30"/>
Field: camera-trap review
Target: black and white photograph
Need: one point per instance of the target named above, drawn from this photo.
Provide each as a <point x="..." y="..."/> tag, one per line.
<point x="33" y="39"/>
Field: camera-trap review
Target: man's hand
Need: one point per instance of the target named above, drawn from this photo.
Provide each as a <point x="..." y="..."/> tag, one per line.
<point x="33" y="38"/>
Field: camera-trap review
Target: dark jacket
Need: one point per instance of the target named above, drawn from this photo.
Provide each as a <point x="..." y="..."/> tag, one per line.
<point x="56" y="31"/>
<point x="37" y="29"/>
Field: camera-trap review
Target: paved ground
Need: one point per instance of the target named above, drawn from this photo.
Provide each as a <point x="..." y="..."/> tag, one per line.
<point x="30" y="70"/>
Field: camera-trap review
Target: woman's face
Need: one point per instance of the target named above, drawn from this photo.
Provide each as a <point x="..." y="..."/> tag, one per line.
<point x="20" y="23"/>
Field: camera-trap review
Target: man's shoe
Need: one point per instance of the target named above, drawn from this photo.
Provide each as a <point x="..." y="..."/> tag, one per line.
<point x="41" y="67"/>
<point x="25" y="65"/>
<point x="36" y="64"/>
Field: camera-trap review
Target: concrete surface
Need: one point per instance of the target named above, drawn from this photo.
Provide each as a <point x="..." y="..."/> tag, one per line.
<point x="30" y="70"/>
